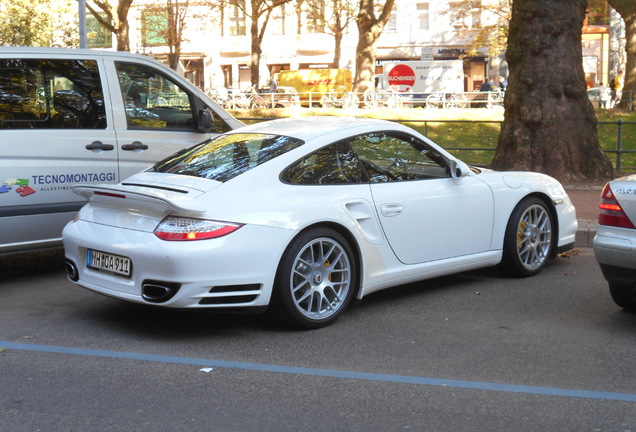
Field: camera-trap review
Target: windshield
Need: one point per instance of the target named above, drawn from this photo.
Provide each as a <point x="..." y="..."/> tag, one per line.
<point x="227" y="156"/>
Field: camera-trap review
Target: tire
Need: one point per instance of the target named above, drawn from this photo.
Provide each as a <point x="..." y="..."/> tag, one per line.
<point x="624" y="295"/>
<point x="316" y="279"/>
<point x="327" y="101"/>
<point x="529" y="239"/>
<point x="350" y="101"/>
<point x="451" y="102"/>
<point x="371" y="99"/>
<point x="433" y="101"/>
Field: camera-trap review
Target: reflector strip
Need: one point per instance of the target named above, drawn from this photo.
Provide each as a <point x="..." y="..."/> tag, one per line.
<point x="613" y="207"/>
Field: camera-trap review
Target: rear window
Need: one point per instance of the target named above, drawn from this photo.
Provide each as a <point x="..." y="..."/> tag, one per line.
<point x="227" y="156"/>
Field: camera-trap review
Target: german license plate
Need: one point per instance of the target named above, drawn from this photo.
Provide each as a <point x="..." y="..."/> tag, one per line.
<point x="117" y="264"/>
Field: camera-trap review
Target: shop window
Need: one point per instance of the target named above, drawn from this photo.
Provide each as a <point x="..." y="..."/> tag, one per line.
<point x="154" y="23"/>
<point x="278" y="20"/>
<point x="423" y="15"/>
<point x="391" y="25"/>
<point x="465" y="14"/>
<point x="98" y="36"/>
<point x="316" y="16"/>
<point x="236" y="17"/>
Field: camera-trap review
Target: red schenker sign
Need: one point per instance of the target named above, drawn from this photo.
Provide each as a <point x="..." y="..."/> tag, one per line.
<point x="401" y="78"/>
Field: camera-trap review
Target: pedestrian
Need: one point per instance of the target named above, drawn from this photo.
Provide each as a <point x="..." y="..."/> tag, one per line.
<point x="503" y="83"/>
<point x="604" y="96"/>
<point x="617" y="88"/>
<point x="486" y="86"/>
<point x="273" y="85"/>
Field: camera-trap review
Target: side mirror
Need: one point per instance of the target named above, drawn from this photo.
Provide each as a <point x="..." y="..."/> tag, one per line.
<point x="205" y="121"/>
<point x="458" y="169"/>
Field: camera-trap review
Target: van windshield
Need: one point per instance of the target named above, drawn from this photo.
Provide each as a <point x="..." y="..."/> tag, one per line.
<point x="227" y="156"/>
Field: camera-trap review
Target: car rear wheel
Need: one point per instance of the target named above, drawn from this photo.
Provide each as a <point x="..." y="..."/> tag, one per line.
<point x="624" y="295"/>
<point x="528" y="240"/>
<point x="315" y="279"/>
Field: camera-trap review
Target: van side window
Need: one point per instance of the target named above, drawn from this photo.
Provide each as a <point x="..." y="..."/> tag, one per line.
<point x="51" y="94"/>
<point x="152" y="101"/>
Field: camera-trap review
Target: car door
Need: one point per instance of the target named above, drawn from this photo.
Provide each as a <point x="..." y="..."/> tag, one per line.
<point x="425" y="213"/>
<point x="156" y="115"/>
<point x="55" y="130"/>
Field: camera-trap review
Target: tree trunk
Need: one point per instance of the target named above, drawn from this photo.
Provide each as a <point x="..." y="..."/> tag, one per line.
<point x="256" y="52"/>
<point x="627" y="10"/>
<point x="123" y="41"/>
<point x="549" y="124"/>
<point x="337" y="51"/>
<point x="173" y="57"/>
<point x="369" y="31"/>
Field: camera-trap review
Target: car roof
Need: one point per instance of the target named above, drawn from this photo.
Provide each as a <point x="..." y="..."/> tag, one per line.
<point x="78" y="52"/>
<point x="306" y="128"/>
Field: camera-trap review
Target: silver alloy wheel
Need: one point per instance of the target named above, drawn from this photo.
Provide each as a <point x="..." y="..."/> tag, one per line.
<point x="534" y="237"/>
<point x="321" y="278"/>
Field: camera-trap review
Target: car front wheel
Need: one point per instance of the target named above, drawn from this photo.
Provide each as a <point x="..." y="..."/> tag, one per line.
<point x="315" y="279"/>
<point x="528" y="240"/>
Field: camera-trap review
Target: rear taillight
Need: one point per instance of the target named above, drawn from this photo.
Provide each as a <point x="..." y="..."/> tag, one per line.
<point x="175" y="228"/>
<point x="611" y="213"/>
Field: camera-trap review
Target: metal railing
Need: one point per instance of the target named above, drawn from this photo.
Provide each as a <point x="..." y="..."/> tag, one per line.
<point x="389" y="99"/>
<point x="620" y="150"/>
<point x="375" y="99"/>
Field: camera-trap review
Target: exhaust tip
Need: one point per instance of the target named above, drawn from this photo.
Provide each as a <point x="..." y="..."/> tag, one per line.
<point x="158" y="291"/>
<point x="71" y="270"/>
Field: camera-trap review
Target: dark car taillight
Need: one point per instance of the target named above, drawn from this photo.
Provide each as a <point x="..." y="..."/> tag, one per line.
<point x="611" y="213"/>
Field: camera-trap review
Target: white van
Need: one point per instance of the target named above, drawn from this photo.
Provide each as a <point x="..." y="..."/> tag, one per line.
<point x="84" y="116"/>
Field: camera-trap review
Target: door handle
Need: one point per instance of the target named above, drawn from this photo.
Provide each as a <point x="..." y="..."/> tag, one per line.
<point x="389" y="210"/>
<point x="98" y="145"/>
<point x="136" y="145"/>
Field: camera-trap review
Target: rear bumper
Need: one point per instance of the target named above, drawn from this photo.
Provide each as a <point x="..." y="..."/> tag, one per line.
<point x="615" y="251"/>
<point x="235" y="271"/>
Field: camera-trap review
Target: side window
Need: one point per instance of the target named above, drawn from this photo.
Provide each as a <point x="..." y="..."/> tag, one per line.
<point x="51" y="94"/>
<point x="22" y="97"/>
<point x="152" y="100"/>
<point x="395" y="157"/>
<point x="334" y="164"/>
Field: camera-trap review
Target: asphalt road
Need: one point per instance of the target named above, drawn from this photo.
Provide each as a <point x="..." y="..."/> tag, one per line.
<point x="472" y="352"/>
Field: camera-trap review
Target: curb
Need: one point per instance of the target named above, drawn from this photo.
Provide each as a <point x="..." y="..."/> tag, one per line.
<point x="586" y="232"/>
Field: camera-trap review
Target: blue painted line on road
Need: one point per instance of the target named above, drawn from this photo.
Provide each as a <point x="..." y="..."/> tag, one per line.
<point x="328" y="373"/>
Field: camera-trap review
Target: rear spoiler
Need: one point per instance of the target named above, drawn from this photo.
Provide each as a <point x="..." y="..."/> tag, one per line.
<point x="148" y="200"/>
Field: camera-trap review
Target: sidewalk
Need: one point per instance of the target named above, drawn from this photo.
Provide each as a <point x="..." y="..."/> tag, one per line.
<point x="586" y="199"/>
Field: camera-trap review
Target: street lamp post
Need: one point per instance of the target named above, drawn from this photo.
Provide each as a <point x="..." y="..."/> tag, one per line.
<point x="82" y="23"/>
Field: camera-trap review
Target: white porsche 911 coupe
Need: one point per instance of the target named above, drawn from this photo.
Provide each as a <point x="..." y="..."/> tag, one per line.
<point x="302" y="215"/>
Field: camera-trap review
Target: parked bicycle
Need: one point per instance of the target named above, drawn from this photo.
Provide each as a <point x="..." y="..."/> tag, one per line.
<point x="339" y="99"/>
<point x="446" y="100"/>
<point x="487" y="99"/>
<point x="382" y="98"/>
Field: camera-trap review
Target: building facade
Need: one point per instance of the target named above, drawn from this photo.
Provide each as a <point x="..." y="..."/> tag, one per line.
<point x="216" y="48"/>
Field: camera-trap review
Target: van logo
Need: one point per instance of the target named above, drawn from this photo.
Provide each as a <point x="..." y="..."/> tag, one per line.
<point x="326" y="81"/>
<point x="23" y="188"/>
